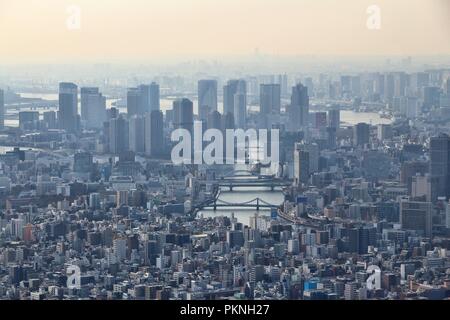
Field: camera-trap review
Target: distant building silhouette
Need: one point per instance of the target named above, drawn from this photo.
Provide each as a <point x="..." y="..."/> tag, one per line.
<point x="301" y="164"/>
<point x="334" y="118"/>
<point x="270" y="98"/>
<point x="154" y="134"/>
<point x="207" y="97"/>
<point x="240" y="110"/>
<point x="154" y="97"/>
<point x="93" y="107"/>
<point x="134" y="102"/>
<point x="298" y="111"/>
<point x="270" y="102"/>
<point x="68" y="107"/>
<point x="229" y="90"/>
<point x="183" y="114"/>
<point x="118" y="135"/>
<point x="440" y="166"/>
<point x="137" y="133"/>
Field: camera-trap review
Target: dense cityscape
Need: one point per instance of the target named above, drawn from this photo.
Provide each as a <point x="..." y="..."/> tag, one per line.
<point x="356" y="207"/>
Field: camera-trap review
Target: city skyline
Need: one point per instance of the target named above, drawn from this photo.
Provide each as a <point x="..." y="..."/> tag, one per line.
<point x="351" y="204"/>
<point x="242" y="151"/>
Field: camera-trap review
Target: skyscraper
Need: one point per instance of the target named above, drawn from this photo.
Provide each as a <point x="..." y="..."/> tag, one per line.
<point x="154" y="97"/>
<point x="28" y="119"/>
<point x="207" y="97"/>
<point x="93" y="107"/>
<point x="298" y="111"/>
<point x="118" y="135"/>
<point x="400" y="80"/>
<point x="313" y="155"/>
<point x="418" y="81"/>
<point x="144" y="99"/>
<point x="68" y="106"/>
<point x="440" y="166"/>
<point x="183" y="114"/>
<point x="154" y="134"/>
<point x="319" y="120"/>
<point x="389" y="84"/>
<point x="346" y="85"/>
<point x="229" y="90"/>
<point x="2" y="110"/>
<point x="270" y="103"/>
<point x="150" y="252"/>
<point x="431" y="97"/>
<point x="240" y="110"/>
<point x="88" y="94"/>
<point x="270" y="98"/>
<point x="136" y="133"/>
<point x="334" y="118"/>
<point x="331" y="137"/>
<point x="134" y="102"/>
<point x="301" y="165"/>
<point x="361" y="134"/>
<point x="283" y="81"/>
<point x="214" y="120"/>
<point x="50" y="119"/>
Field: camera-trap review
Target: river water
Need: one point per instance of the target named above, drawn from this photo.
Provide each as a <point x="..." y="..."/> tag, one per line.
<point x="245" y="194"/>
<point x="347" y="116"/>
<point x="239" y="195"/>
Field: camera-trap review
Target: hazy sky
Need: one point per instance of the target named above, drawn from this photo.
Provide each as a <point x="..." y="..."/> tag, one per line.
<point x="36" y="31"/>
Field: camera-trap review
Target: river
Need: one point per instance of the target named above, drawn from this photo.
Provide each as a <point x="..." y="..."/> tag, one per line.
<point x="244" y="194"/>
<point x="347" y="116"/>
<point x="239" y="195"/>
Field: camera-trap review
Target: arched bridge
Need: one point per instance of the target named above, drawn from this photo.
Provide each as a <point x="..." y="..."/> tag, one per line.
<point x="254" y="203"/>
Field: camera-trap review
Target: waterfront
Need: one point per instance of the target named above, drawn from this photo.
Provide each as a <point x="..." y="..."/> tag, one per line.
<point x="348" y="117"/>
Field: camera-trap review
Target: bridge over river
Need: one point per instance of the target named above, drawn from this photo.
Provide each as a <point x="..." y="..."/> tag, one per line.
<point x="249" y="179"/>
